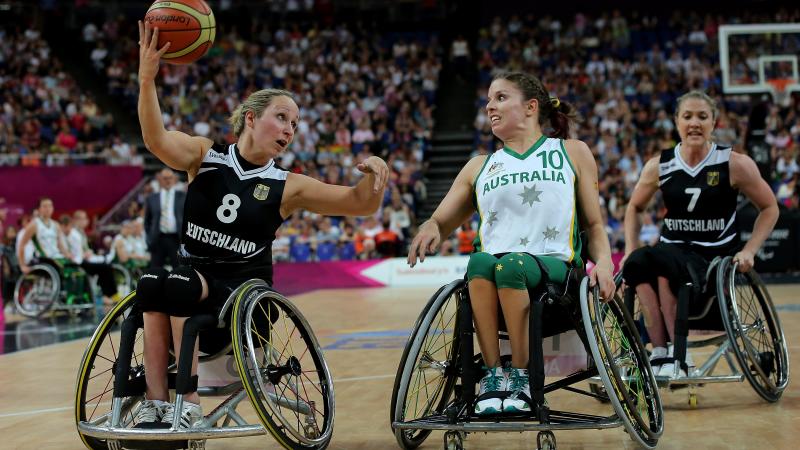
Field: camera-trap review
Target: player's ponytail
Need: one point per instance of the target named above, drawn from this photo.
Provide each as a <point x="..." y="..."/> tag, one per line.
<point x="562" y="116"/>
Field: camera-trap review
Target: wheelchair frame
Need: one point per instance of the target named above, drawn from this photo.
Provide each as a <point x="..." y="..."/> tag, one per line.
<point x="454" y="414"/>
<point x="732" y="288"/>
<point x="110" y="430"/>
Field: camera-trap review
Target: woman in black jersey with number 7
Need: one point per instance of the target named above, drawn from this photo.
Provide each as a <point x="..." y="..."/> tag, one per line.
<point x="699" y="182"/>
<point x="237" y="198"/>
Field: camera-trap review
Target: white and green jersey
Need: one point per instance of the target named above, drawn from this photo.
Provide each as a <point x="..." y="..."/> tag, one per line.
<point x="527" y="202"/>
<point x="46" y="239"/>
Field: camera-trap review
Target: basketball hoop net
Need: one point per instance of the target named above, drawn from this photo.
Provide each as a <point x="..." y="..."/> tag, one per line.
<point x="779" y="93"/>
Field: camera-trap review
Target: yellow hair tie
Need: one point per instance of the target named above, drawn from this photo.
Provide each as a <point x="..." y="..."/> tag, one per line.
<point x="555" y="102"/>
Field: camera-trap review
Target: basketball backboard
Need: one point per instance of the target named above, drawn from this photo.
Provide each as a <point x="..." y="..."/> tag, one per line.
<point x="760" y="58"/>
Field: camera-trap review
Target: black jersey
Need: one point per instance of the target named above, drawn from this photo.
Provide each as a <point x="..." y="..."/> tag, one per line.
<point x="231" y="215"/>
<point x="700" y="202"/>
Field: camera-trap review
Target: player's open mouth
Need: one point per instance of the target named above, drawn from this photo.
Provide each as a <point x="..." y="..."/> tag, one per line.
<point x="282" y="143"/>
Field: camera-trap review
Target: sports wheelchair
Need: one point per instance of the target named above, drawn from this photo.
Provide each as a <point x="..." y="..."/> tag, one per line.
<point x="736" y="315"/>
<point x="278" y="359"/>
<point x="51" y="285"/>
<point x="436" y="380"/>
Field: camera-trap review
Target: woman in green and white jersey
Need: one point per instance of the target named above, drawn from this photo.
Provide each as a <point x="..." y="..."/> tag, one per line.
<point x="533" y="196"/>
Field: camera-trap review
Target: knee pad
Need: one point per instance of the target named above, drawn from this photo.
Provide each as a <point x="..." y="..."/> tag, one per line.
<point x="517" y="271"/>
<point x="481" y="265"/>
<point x="182" y="291"/>
<point x="150" y="290"/>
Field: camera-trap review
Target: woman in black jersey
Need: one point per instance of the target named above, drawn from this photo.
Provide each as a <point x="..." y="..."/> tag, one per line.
<point x="699" y="182"/>
<point x="237" y="198"/>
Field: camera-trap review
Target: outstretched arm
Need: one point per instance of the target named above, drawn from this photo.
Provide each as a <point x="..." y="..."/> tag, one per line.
<point x="174" y="148"/>
<point x="456" y="207"/>
<point x="303" y="192"/>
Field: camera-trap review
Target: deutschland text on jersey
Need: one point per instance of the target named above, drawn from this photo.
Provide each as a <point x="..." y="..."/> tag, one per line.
<point x="231" y="214"/>
<point x="700" y="202"/>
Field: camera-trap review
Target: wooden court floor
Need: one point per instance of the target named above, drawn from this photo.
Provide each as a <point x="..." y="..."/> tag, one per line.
<point x="363" y="331"/>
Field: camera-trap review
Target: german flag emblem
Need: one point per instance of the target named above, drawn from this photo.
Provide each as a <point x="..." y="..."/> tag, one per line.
<point x="712" y="178"/>
<point x="261" y="192"/>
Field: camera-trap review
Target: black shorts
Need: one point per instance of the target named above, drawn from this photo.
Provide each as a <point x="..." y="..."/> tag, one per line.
<point x="677" y="264"/>
<point x="221" y="287"/>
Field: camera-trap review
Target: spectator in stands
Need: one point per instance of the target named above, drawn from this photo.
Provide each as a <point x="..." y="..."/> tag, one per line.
<point x="387" y="241"/>
<point x="163" y="218"/>
<point x="327" y="232"/>
<point x="466" y="238"/>
<point x="786" y="162"/>
<point x="281" y="246"/>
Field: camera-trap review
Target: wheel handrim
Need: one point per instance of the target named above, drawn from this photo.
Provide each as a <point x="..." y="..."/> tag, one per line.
<point x="295" y="386"/>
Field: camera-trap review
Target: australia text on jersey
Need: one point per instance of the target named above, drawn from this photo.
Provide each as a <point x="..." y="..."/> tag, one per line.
<point x="524" y="177"/>
<point x="695" y="224"/>
<point x="219" y="239"/>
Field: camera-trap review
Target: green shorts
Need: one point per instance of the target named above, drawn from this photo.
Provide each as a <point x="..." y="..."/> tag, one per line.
<point x="515" y="270"/>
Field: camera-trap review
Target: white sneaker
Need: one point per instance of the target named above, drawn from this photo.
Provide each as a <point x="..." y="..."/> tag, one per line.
<point x="191" y="414"/>
<point x="492" y="384"/>
<point x="668" y="370"/>
<point x="150" y="411"/>
<point x="520" y="388"/>
<point x="657" y="353"/>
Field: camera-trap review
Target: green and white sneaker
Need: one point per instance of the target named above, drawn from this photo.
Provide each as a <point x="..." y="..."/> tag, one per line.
<point x="519" y="400"/>
<point x="491" y="386"/>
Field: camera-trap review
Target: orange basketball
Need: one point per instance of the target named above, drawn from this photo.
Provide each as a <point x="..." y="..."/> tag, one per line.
<point x="188" y="24"/>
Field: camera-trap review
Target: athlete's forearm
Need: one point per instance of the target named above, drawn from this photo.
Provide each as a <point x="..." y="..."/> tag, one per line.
<point x="367" y="197"/>
<point x="150" y="114"/>
<point x="599" y="248"/>
<point x="632" y="227"/>
<point x="762" y="228"/>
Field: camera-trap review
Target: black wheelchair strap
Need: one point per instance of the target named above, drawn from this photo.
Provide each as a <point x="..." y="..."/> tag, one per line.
<point x="535" y="340"/>
<point x="685" y="294"/>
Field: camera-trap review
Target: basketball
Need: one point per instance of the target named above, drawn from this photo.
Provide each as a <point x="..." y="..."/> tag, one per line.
<point x="188" y="24"/>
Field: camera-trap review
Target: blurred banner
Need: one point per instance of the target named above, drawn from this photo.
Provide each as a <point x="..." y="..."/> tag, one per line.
<point x="92" y="188"/>
<point x="780" y="251"/>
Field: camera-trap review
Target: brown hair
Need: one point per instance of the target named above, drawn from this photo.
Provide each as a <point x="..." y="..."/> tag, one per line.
<point x="560" y="115"/>
<point x="700" y="95"/>
<point x="257" y="102"/>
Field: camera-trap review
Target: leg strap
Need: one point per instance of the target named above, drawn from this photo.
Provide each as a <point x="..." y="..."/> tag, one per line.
<point x="682" y="324"/>
<point x="536" y="362"/>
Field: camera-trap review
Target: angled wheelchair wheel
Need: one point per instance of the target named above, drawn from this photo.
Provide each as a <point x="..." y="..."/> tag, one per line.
<point x="427" y="375"/>
<point x="95" y="387"/>
<point x="754" y="330"/>
<point x="623" y="365"/>
<point x="37" y="291"/>
<point x="282" y="369"/>
<point x="122" y="279"/>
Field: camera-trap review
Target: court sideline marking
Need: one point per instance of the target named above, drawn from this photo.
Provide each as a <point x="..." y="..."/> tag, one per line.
<point x="66" y="408"/>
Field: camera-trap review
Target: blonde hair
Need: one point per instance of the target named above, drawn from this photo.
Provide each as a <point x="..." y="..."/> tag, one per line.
<point x="257" y="102"/>
<point x="700" y="95"/>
